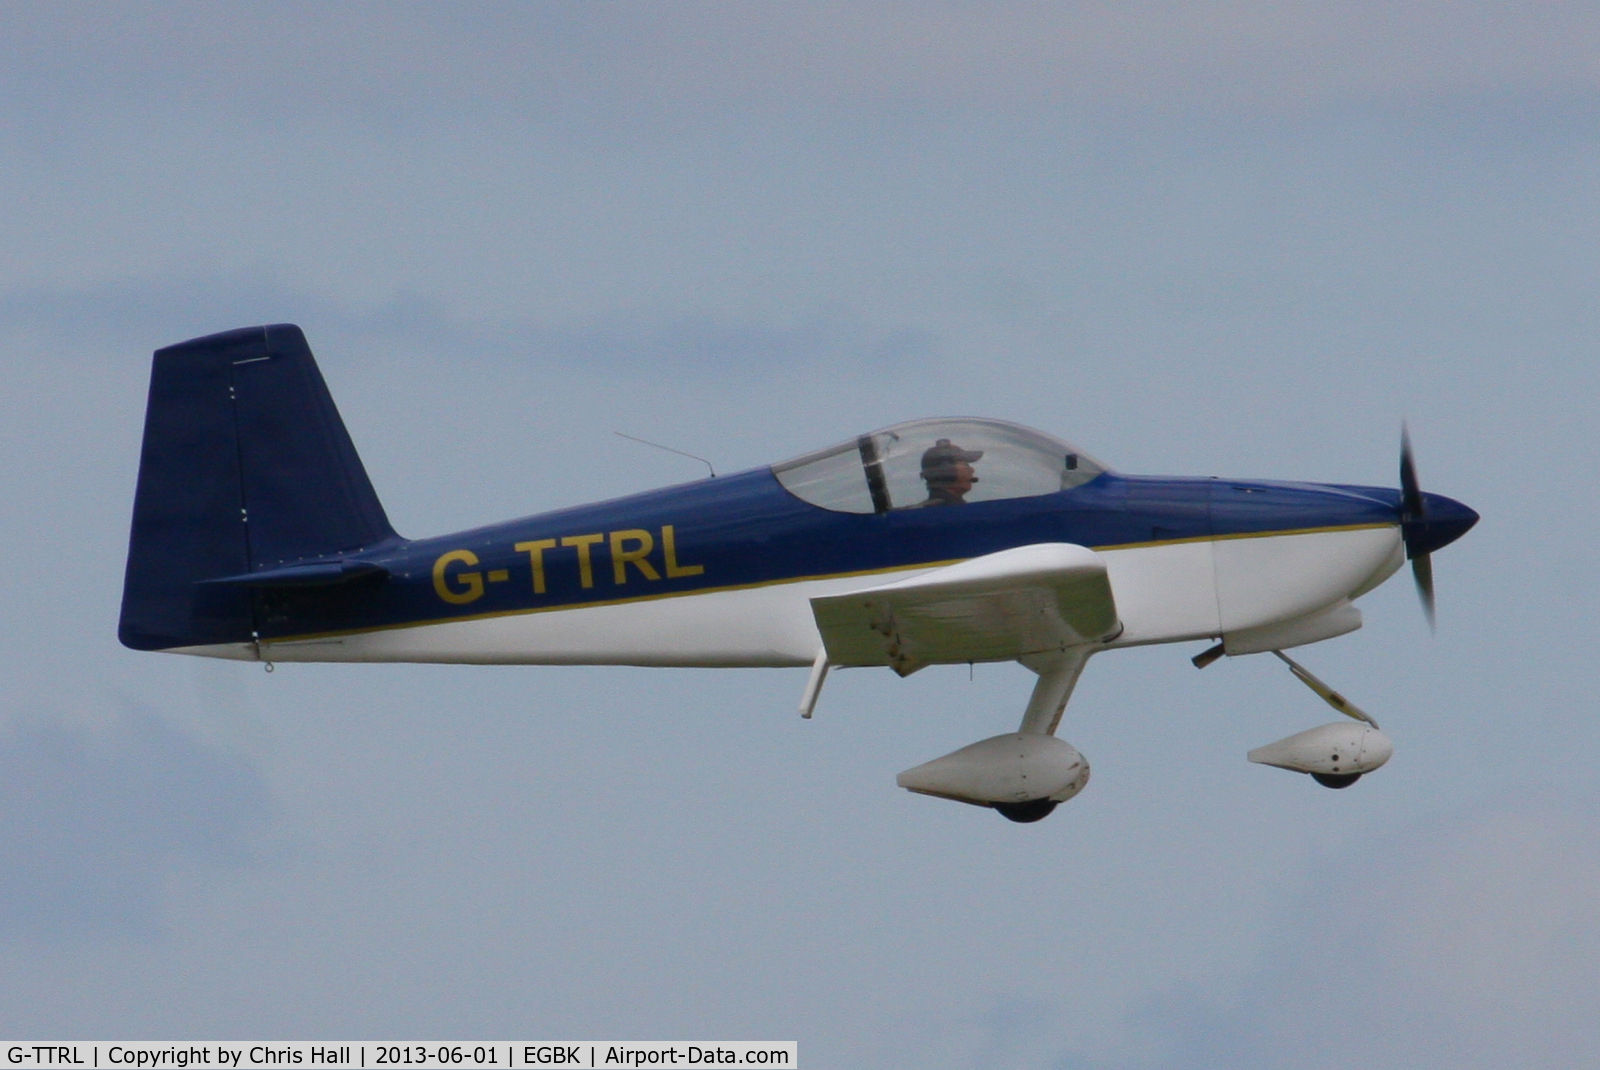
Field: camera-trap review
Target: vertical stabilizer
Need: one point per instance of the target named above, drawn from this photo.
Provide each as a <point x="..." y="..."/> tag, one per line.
<point x="246" y="465"/>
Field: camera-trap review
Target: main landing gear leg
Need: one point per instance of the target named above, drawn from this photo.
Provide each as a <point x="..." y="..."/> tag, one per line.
<point x="1058" y="675"/>
<point x="1022" y="774"/>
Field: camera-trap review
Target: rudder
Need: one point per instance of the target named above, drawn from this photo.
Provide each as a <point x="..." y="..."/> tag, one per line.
<point x="246" y="465"/>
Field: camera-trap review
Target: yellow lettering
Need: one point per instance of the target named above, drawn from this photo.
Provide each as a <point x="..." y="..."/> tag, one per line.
<point x="639" y="557"/>
<point x="669" y="550"/>
<point x="535" y="551"/>
<point x="499" y="575"/>
<point x="585" y="544"/>
<point x="473" y="580"/>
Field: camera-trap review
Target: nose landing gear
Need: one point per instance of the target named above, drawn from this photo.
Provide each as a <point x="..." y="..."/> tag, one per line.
<point x="1336" y="755"/>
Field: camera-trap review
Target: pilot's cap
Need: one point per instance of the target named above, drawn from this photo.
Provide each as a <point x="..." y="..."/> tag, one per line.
<point x="940" y="459"/>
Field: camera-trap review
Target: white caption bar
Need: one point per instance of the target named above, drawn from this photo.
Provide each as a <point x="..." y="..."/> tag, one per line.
<point x="370" y="1055"/>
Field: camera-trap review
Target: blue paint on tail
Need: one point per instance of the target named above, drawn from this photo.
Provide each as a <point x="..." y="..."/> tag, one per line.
<point x="246" y="467"/>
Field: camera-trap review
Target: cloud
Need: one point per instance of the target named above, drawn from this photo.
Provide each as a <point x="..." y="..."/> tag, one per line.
<point x="91" y="825"/>
<point x="1474" y="942"/>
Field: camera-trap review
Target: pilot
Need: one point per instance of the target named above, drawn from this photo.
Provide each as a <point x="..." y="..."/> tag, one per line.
<point x="947" y="469"/>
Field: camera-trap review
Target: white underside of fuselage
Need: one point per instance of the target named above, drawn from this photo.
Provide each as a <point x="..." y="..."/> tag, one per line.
<point x="1165" y="592"/>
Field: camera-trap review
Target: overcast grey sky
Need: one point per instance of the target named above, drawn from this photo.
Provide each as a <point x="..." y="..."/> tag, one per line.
<point x="1227" y="238"/>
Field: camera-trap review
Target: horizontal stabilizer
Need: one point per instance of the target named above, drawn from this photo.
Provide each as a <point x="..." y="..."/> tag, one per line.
<point x="1005" y="605"/>
<point x="323" y="574"/>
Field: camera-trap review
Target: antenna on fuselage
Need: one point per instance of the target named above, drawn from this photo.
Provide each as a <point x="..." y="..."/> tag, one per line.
<point x="669" y="449"/>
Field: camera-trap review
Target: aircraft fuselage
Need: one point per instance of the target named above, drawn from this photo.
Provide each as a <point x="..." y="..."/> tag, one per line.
<point x="721" y="572"/>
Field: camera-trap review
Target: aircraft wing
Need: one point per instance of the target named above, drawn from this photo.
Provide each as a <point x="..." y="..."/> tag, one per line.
<point x="1005" y="605"/>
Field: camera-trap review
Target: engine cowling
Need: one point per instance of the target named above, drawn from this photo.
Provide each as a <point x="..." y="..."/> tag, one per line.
<point x="1335" y="754"/>
<point x="1018" y="767"/>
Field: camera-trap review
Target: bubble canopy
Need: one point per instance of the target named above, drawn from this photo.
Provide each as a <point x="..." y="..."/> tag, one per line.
<point x="936" y="462"/>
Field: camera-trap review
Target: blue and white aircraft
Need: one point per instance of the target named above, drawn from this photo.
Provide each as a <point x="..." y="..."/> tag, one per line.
<point x="257" y="535"/>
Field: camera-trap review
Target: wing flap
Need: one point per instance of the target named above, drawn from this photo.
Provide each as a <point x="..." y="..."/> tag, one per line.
<point x="1005" y="605"/>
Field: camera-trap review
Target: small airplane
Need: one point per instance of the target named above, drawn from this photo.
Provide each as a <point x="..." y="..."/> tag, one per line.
<point x="257" y="535"/>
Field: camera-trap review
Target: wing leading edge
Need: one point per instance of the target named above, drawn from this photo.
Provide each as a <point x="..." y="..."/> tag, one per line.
<point x="1025" y="601"/>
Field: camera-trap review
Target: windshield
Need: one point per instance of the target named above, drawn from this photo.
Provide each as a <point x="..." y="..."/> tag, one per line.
<point x="938" y="462"/>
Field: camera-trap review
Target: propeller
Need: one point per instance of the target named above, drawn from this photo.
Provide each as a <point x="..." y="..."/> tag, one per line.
<point x="1427" y="523"/>
<point x="1414" y="527"/>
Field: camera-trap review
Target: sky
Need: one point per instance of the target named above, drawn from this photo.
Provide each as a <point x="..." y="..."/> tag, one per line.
<point x="1232" y="238"/>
